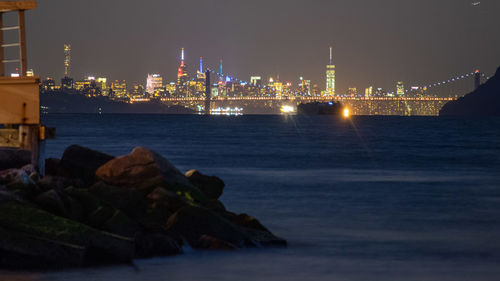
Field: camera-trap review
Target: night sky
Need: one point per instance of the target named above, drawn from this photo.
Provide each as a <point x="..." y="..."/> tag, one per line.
<point x="375" y="42"/>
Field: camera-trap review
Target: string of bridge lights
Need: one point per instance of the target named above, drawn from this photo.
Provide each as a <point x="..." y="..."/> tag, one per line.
<point x="433" y="85"/>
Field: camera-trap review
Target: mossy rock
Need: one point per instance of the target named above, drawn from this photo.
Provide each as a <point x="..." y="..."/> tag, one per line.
<point x="194" y="222"/>
<point x="31" y="221"/>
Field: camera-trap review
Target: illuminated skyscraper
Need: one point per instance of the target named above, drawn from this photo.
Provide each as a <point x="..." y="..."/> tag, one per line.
<point x="330" y="76"/>
<point x="369" y="92"/>
<point x="256" y="80"/>
<point x="102" y="83"/>
<point x="67" y="59"/>
<point x="221" y="75"/>
<point x="352" y="92"/>
<point x="400" y="89"/>
<point x="154" y="83"/>
<point x="201" y="74"/>
<point x="119" y="89"/>
<point x="182" y="75"/>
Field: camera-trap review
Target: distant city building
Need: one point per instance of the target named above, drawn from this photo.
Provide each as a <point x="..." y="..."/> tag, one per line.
<point x="379" y="92"/>
<point x="67" y="59"/>
<point x="278" y="87"/>
<point x="330" y="76"/>
<point x="138" y="90"/>
<point x="369" y="92"/>
<point x="256" y="80"/>
<point x="400" y="89"/>
<point x="154" y="84"/>
<point x="79" y="85"/>
<point x="67" y="83"/>
<point x="182" y="75"/>
<point x="352" y="92"/>
<point x="30" y="73"/>
<point x="119" y="89"/>
<point x="48" y="85"/>
<point x="200" y="75"/>
<point x="170" y="88"/>
<point x="102" y="83"/>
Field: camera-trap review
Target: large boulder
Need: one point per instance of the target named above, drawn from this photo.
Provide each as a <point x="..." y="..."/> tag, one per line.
<point x="22" y="251"/>
<point x="192" y="223"/>
<point x="53" y="167"/>
<point x="7" y="196"/>
<point x="52" y="202"/>
<point x="101" y="215"/>
<point x="58" y="183"/>
<point x="141" y="166"/>
<point x="11" y="158"/>
<point x="211" y="186"/>
<point x="254" y="229"/>
<point x="156" y="244"/>
<point x="16" y="217"/>
<point x="81" y="162"/>
<point x="162" y="198"/>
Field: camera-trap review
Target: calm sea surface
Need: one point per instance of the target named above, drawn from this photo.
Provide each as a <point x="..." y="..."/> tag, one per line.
<point x="372" y="198"/>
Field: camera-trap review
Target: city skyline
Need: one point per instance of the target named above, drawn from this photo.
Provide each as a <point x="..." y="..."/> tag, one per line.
<point x="272" y="44"/>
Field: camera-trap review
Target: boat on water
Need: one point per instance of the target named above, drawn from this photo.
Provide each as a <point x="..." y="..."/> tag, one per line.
<point x="322" y="108"/>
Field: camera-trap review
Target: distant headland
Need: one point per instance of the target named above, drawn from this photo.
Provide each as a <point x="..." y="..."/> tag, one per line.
<point x="484" y="101"/>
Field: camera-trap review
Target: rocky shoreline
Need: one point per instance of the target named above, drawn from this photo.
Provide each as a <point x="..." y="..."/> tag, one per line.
<point x="91" y="208"/>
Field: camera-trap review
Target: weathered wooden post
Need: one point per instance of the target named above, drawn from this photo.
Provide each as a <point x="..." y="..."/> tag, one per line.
<point x="20" y="96"/>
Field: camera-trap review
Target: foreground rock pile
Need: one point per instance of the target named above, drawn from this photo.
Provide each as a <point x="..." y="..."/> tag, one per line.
<point x="92" y="208"/>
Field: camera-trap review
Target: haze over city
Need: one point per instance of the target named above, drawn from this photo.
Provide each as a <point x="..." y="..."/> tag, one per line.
<point x="375" y="42"/>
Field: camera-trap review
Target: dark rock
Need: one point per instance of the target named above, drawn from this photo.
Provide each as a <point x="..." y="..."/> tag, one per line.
<point x="156" y="244"/>
<point x="244" y="220"/>
<point x="162" y="198"/>
<point x="7" y="196"/>
<point x="212" y="243"/>
<point x="100" y="215"/>
<point x="22" y="218"/>
<point x="214" y="205"/>
<point x="254" y="229"/>
<point x="21" y="251"/>
<point x="81" y="162"/>
<point x="130" y="201"/>
<point x="54" y="182"/>
<point x="11" y="158"/>
<point x="139" y="167"/>
<point x="211" y="186"/>
<point x="19" y="182"/>
<point x="51" y="202"/>
<point x="54" y="168"/>
<point x="194" y="222"/>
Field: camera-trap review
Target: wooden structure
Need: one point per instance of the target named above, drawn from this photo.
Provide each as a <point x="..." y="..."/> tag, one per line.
<point x="20" y="96"/>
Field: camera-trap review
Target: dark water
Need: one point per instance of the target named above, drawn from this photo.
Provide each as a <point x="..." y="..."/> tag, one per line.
<point x="374" y="198"/>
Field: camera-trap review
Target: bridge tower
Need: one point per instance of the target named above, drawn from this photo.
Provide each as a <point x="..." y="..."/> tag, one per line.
<point x="477" y="79"/>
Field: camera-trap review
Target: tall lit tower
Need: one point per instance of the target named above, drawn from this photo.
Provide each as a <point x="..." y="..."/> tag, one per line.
<point x="201" y="74"/>
<point x="400" y="89"/>
<point x="67" y="59"/>
<point x="182" y="71"/>
<point x="220" y="73"/>
<point x="330" y="76"/>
